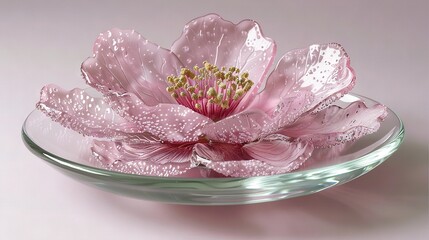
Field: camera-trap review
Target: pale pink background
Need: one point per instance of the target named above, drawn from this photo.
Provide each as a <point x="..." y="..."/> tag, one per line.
<point x="45" y="42"/>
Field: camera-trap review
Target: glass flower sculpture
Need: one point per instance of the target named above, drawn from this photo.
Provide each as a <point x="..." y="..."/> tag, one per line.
<point x="209" y="102"/>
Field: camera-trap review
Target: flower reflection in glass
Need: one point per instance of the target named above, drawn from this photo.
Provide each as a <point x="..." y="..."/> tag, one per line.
<point x="209" y="102"/>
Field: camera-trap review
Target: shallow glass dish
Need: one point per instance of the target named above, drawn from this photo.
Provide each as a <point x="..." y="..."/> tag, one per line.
<point x="68" y="152"/>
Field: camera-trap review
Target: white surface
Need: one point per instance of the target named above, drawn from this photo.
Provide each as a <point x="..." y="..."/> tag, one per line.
<point x="45" y="42"/>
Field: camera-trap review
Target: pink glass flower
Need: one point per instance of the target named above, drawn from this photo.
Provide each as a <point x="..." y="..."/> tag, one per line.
<point x="208" y="102"/>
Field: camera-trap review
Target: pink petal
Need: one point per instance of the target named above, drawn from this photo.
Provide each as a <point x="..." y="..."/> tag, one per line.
<point x="290" y="108"/>
<point x="274" y="155"/>
<point x="336" y="125"/>
<point x="223" y="43"/>
<point x="278" y="150"/>
<point x="124" y="61"/>
<point x="240" y="128"/>
<point x="88" y="115"/>
<point x="323" y="70"/>
<point x="169" y="122"/>
<point x="251" y="125"/>
<point x="150" y="159"/>
<point x="284" y="110"/>
<point x="217" y="152"/>
<point x="154" y="151"/>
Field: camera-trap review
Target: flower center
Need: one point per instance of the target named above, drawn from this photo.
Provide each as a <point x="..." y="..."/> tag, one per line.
<point x="209" y="90"/>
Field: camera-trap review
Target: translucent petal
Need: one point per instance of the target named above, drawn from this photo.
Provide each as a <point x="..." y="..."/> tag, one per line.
<point x="124" y="61"/>
<point x="290" y="108"/>
<point x="217" y="152"/>
<point x="278" y="150"/>
<point x="251" y="125"/>
<point x="223" y="43"/>
<point x="153" y="151"/>
<point x="274" y="155"/>
<point x="335" y="125"/>
<point x="324" y="70"/>
<point x="150" y="159"/>
<point x="240" y="128"/>
<point x="169" y="122"/>
<point x="283" y="111"/>
<point x="88" y="115"/>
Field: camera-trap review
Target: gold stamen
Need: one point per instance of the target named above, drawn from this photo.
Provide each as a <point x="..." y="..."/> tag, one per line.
<point x="191" y="89"/>
<point x="170" y="79"/>
<point x="245" y="75"/>
<point x="227" y="85"/>
<point x="200" y="94"/>
<point x="228" y="93"/>
<point x="247" y="87"/>
<point x="222" y="85"/>
<point x="238" y="94"/>
<point x="170" y="89"/>
<point x="224" y="104"/>
<point x="186" y="72"/>
<point x="211" y="92"/>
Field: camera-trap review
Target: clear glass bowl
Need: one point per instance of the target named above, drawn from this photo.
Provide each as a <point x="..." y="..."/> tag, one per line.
<point x="68" y="152"/>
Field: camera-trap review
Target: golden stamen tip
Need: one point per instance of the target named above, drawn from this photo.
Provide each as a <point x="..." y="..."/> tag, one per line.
<point x="200" y="94"/>
<point x="191" y="89"/>
<point x="245" y="75"/>
<point x="170" y="89"/>
<point x="224" y="104"/>
<point x="211" y="92"/>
